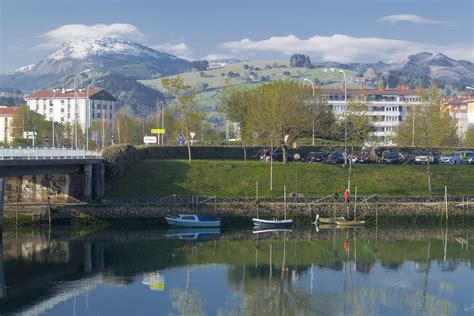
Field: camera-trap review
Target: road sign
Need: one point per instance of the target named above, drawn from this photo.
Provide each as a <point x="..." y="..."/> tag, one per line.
<point x="150" y="140"/>
<point x="46" y="139"/>
<point x="29" y="134"/>
<point x="158" y="131"/>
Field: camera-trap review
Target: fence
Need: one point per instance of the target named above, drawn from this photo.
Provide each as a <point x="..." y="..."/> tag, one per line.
<point x="11" y="153"/>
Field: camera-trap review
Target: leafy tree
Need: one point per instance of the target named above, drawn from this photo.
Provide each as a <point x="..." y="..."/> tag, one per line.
<point x="428" y="125"/>
<point x="300" y="60"/>
<point x="189" y="115"/>
<point x="200" y="65"/>
<point x="469" y="140"/>
<point x="26" y="120"/>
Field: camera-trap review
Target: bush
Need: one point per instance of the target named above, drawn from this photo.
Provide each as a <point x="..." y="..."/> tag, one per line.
<point x="118" y="159"/>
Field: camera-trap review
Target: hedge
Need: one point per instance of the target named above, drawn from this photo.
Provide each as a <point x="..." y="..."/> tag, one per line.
<point x="119" y="158"/>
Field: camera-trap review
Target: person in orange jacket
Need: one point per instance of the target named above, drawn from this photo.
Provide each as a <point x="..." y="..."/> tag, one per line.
<point x="347" y="196"/>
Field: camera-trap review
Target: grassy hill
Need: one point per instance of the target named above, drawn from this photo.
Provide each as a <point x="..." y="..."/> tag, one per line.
<point x="210" y="82"/>
<point x="151" y="178"/>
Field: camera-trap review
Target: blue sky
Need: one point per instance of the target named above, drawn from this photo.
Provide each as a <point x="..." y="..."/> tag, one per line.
<point x="337" y="30"/>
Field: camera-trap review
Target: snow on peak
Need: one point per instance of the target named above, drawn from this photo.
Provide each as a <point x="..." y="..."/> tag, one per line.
<point x="22" y="69"/>
<point x="83" y="47"/>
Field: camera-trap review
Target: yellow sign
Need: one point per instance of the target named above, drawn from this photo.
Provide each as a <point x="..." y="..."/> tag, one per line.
<point x="158" y="131"/>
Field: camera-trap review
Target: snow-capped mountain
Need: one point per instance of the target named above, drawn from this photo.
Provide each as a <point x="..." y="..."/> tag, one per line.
<point x="113" y="55"/>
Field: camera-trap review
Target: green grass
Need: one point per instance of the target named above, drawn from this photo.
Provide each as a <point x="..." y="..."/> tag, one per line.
<point x="216" y="81"/>
<point x="152" y="178"/>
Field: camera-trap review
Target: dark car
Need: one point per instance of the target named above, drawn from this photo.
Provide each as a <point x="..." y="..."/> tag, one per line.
<point x="316" y="156"/>
<point x="390" y="156"/>
<point x="336" y="158"/>
<point x="362" y="157"/>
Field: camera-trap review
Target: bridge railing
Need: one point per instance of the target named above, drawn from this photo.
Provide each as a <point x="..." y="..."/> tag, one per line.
<point x="11" y="153"/>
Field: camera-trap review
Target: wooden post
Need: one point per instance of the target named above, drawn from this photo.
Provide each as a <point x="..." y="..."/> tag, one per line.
<point x="256" y="192"/>
<point x="271" y="169"/>
<point x="355" y="203"/>
<point x="446" y="200"/>
<point x="284" y="198"/>
<point x="49" y="210"/>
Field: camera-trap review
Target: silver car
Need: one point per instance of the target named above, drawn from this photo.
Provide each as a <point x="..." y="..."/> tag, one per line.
<point x="451" y="158"/>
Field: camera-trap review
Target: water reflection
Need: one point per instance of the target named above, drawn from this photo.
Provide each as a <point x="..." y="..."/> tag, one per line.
<point x="350" y="271"/>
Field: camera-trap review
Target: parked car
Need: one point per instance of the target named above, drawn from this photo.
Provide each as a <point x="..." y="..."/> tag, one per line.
<point x="391" y="156"/>
<point x="316" y="156"/>
<point x="451" y="158"/>
<point x="336" y="158"/>
<point x="422" y="157"/>
<point x="362" y="157"/>
<point x="278" y="156"/>
<point x="470" y="158"/>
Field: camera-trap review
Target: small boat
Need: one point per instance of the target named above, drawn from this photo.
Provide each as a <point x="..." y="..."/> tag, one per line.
<point x="328" y="220"/>
<point x="272" y="223"/>
<point x="192" y="220"/>
<point x="193" y="233"/>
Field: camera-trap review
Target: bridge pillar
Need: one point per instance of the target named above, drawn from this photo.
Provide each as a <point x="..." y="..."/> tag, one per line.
<point x="98" y="181"/>
<point x="2" y="191"/>
<point x="88" y="182"/>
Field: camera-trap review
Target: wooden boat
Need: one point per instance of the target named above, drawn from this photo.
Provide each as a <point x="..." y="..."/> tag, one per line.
<point x="350" y="223"/>
<point x="192" y="220"/>
<point x="328" y="220"/>
<point x="272" y="223"/>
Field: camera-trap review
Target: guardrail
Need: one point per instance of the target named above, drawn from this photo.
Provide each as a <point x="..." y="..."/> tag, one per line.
<point x="12" y="153"/>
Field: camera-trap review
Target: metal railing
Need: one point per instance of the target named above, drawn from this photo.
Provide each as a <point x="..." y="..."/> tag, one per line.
<point x="14" y="153"/>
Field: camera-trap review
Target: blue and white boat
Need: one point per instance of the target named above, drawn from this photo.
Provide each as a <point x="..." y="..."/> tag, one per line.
<point x="192" y="220"/>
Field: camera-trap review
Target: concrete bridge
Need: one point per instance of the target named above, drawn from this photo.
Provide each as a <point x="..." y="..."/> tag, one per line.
<point x="41" y="174"/>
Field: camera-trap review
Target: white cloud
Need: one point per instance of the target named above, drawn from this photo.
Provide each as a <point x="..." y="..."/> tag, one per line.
<point x="396" y="18"/>
<point x="177" y="48"/>
<point x="66" y="32"/>
<point x="343" y="48"/>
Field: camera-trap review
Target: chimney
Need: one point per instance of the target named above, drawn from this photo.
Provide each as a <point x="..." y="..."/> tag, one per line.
<point x="361" y="87"/>
<point x="343" y="86"/>
<point x="381" y="88"/>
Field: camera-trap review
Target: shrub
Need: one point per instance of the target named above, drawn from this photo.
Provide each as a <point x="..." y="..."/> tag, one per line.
<point x="119" y="158"/>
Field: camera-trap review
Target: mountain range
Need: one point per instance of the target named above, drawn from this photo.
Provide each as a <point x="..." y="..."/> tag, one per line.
<point x="118" y="65"/>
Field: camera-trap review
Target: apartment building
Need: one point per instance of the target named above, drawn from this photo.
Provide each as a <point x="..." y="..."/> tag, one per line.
<point x="6" y="123"/>
<point x="461" y="110"/>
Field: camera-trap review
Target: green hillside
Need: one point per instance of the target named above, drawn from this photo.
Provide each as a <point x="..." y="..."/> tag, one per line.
<point x="210" y="82"/>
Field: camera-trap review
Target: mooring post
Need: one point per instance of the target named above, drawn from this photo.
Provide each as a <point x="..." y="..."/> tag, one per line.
<point x="256" y="192"/>
<point x="284" y="198"/>
<point x="446" y="200"/>
<point x="2" y="187"/>
<point x="355" y="203"/>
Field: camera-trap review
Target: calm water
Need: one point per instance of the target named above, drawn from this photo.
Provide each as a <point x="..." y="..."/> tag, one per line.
<point x="304" y="272"/>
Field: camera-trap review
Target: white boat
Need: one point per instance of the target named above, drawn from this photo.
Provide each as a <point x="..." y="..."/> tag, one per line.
<point x="272" y="223"/>
<point x="192" y="220"/>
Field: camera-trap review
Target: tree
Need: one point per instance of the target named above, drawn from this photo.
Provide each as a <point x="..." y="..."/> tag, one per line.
<point x="190" y="117"/>
<point x="26" y="120"/>
<point x="469" y="137"/>
<point x="300" y="60"/>
<point x="200" y="65"/>
<point x="428" y="125"/>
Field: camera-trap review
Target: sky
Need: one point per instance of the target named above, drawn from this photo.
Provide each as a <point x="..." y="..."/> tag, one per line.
<point x="330" y="30"/>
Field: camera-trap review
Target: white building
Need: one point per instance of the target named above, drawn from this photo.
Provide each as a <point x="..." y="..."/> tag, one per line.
<point x="461" y="110"/>
<point x="83" y="107"/>
<point x="386" y="107"/>
<point x="6" y="123"/>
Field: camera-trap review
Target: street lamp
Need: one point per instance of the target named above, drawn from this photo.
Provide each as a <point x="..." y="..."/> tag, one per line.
<point x="345" y="109"/>
<point x="75" y="104"/>
<point x="312" y="86"/>
<point x="52" y="120"/>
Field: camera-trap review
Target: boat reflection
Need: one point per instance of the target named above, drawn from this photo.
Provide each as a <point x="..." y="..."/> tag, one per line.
<point x="262" y="230"/>
<point x="198" y="233"/>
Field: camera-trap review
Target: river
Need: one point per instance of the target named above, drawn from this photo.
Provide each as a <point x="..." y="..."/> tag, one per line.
<point x="363" y="271"/>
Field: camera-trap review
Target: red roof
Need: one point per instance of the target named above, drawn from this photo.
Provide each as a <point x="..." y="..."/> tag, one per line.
<point x="8" y="111"/>
<point x="65" y="93"/>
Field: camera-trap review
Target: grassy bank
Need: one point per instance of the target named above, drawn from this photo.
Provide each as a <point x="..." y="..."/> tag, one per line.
<point x="152" y="178"/>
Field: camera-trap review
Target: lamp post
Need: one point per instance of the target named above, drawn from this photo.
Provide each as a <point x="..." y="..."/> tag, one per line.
<point x="162" y="122"/>
<point x="312" y="86"/>
<point x="52" y="120"/>
<point x="75" y="104"/>
<point x="345" y="109"/>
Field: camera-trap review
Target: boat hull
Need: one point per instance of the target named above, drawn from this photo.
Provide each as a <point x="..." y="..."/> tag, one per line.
<point x="191" y="223"/>
<point x="350" y="223"/>
<point x="330" y="220"/>
<point x="272" y="223"/>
